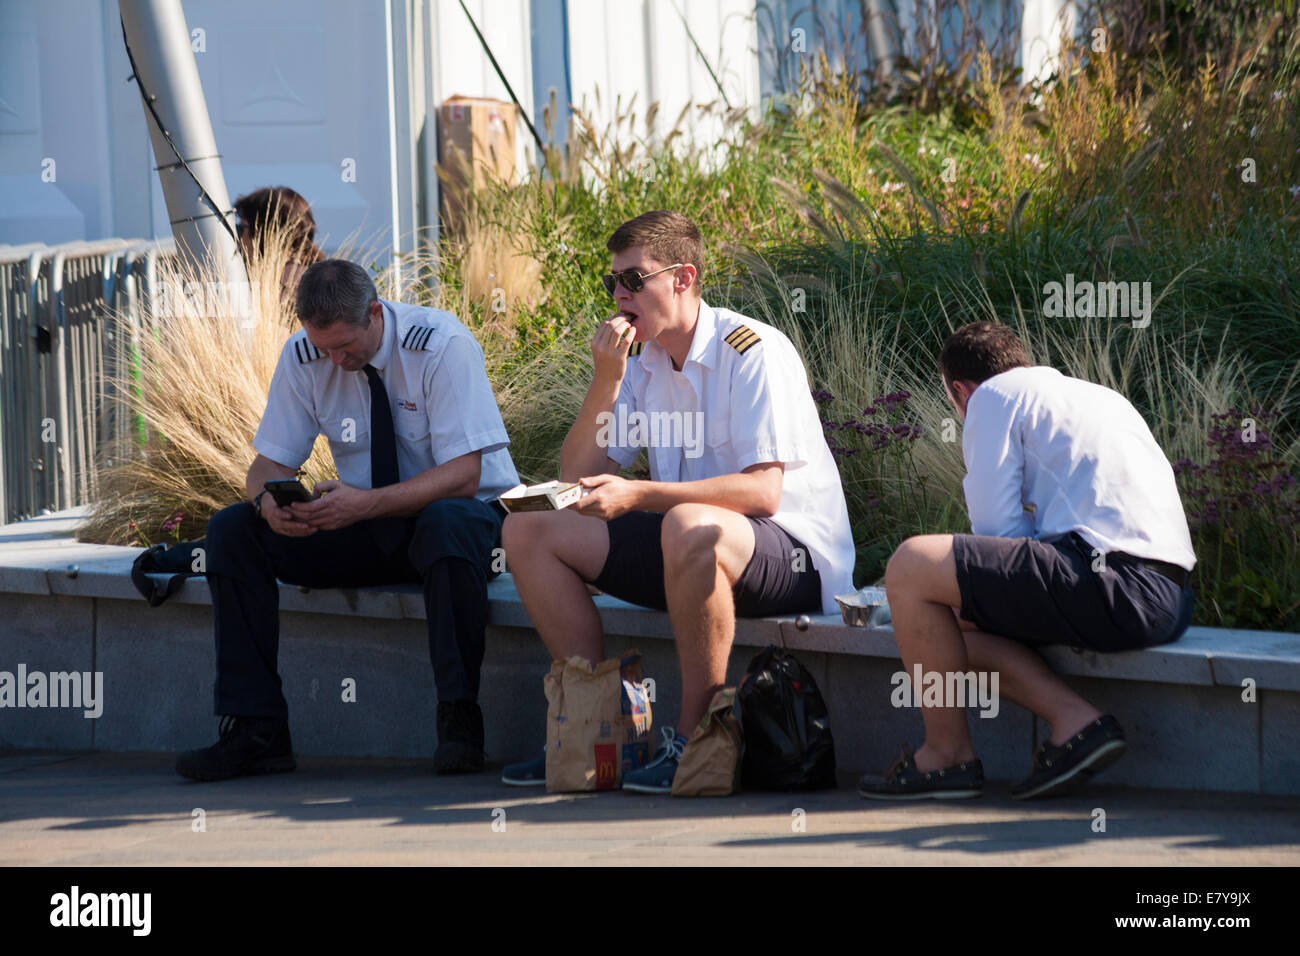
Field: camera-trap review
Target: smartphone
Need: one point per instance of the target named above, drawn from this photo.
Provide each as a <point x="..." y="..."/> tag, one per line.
<point x="286" y="491"/>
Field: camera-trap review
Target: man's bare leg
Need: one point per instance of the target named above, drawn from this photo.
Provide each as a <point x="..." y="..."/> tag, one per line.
<point x="552" y="554"/>
<point x="1025" y="679"/>
<point x="921" y="582"/>
<point x="706" y="550"/>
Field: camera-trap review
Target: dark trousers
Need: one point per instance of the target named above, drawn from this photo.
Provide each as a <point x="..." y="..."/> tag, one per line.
<point x="448" y="547"/>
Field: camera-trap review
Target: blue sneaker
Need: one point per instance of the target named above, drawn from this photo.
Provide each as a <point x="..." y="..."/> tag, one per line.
<point x="657" y="775"/>
<point x="528" y="773"/>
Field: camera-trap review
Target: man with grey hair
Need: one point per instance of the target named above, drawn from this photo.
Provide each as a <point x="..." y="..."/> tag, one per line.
<point x="401" y="393"/>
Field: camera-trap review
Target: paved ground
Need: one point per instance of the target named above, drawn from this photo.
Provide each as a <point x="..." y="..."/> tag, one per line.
<point x="125" y="809"/>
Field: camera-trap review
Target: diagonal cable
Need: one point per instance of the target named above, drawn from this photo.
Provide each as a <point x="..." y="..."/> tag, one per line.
<point x="180" y="160"/>
<point x="541" y="149"/>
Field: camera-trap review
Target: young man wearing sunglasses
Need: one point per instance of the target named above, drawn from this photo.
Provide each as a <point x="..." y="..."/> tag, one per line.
<point x="749" y="521"/>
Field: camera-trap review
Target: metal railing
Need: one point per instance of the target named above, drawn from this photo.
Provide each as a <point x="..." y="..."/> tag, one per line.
<point x="61" y="353"/>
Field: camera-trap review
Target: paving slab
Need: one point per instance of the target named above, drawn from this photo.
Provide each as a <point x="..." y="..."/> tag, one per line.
<point x="89" y="809"/>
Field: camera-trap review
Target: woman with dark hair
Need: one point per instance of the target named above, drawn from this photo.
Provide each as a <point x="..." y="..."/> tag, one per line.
<point x="276" y="217"/>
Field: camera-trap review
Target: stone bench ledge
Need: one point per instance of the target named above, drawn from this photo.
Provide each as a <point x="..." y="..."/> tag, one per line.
<point x="1203" y="656"/>
<point x="1210" y="656"/>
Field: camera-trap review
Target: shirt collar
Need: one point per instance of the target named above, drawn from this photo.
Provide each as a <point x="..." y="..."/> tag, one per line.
<point x="380" y="361"/>
<point x="704" y="346"/>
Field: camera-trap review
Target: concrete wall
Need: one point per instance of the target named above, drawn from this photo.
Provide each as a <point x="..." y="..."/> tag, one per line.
<point x="158" y="671"/>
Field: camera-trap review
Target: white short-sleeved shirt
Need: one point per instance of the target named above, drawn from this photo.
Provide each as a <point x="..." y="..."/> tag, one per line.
<point x="442" y="403"/>
<point x="1047" y="454"/>
<point x="740" y="399"/>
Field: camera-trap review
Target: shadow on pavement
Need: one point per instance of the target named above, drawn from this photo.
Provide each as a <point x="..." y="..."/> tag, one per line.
<point x="99" y="791"/>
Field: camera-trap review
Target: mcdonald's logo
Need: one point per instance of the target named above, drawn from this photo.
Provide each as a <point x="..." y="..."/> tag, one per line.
<point x="606" y="766"/>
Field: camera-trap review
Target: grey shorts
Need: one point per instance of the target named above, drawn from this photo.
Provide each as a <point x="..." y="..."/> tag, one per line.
<point x="1048" y="593"/>
<point x="634" y="569"/>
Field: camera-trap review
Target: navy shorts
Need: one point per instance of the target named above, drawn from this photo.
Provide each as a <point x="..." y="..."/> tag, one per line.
<point x="634" y="569"/>
<point x="1040" y="592"/>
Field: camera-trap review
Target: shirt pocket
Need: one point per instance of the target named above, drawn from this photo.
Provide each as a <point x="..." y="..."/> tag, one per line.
<point x="349" y="439"/>
<point x="717" y="429"/>
<point x="708" y="453"/>
<point x="415" y="438"/>
<point x="716" y="422"/>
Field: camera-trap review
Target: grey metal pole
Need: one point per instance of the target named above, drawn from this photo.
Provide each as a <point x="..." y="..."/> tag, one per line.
<point x="158" y="43"/>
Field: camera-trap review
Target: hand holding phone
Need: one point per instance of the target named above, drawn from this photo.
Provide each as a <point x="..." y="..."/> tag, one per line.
<point x="286" y="491"/>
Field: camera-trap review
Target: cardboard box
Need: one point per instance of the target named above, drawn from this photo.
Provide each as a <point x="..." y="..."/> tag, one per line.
<point x="476" y="142"/>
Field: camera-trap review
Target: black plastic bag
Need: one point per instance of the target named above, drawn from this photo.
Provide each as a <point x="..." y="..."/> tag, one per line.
<point x="178" y="561"/>
<point x="787" y="730"/>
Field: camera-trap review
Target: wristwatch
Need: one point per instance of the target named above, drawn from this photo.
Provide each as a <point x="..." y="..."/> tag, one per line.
<point x="257" y="502"/>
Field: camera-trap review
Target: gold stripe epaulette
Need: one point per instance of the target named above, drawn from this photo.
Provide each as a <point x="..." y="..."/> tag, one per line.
<point x="742" y="339"/>
<point x="636" y="349"/>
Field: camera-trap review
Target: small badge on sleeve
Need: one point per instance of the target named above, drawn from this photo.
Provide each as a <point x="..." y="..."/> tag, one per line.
<point x="742" y="339"/>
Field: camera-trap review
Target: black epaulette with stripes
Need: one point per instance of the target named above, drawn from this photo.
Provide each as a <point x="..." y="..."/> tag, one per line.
<point x="636" y="349"/>
<point x="306" y="352"/>
<point x="417" y="337"/>
<point x="742" y="339"/>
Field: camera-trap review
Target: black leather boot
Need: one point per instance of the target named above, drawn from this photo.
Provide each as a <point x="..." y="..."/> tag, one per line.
<point x="460" y="737"/>
<point x="248" y="745"/>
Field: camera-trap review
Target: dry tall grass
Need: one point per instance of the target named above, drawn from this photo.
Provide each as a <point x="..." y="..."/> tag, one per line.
<point x="203" y="365"/>
<point x="496" y="272"/>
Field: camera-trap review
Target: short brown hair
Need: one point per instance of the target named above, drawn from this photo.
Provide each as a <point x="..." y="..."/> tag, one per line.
<point x="668" y="236"/>
<point x="978" y="351"/>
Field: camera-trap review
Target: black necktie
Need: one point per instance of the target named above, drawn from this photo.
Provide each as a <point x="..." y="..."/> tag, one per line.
<point x="388" y="532"/>
<point x="383" y="443"/>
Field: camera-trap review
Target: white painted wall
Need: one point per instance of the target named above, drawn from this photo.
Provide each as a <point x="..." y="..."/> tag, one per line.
<point x="298" y="87"/>
<point x="627" y="54"/>
<point x="836" y="28"/>
<point x="1040" y="35"/>
<point x="298" y="94"/>
<point x="51" y="186"/>
<point x="293" y="87"/>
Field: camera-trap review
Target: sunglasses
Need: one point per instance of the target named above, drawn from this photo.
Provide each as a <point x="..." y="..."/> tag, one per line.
<point x="632" y="280"/>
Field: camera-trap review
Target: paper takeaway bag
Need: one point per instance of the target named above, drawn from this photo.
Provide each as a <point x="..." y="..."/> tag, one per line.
<point x="597" y="723"/>
<point x="710" y="764"/>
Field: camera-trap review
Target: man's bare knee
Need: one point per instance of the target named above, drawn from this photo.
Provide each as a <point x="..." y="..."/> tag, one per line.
<point x="697" y="539"/>
<point x="689" y="537"/>
<point x="922" y="567"/>
<point x="901" y="566"/>
<point x="523" y="534"/>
